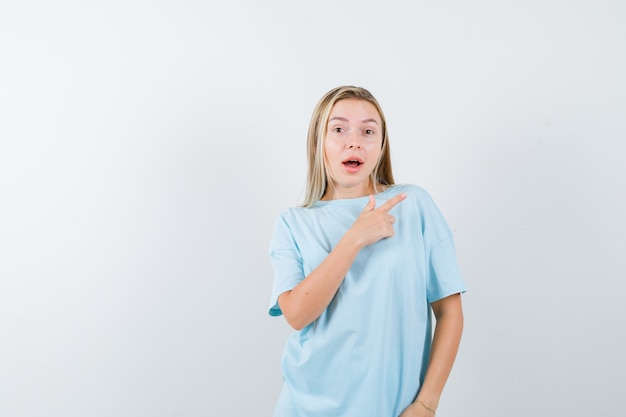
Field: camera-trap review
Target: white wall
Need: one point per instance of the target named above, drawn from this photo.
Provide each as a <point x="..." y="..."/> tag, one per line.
<point x="146" y="148"/>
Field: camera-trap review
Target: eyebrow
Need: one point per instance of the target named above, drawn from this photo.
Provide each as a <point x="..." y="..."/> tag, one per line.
<point x="343" y="119"/>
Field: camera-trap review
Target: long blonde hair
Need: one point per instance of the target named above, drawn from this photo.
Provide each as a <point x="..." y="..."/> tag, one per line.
<point x="318" y="175"/>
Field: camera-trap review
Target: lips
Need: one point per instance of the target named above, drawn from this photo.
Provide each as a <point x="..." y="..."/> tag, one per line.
<point x="352" y="164"/>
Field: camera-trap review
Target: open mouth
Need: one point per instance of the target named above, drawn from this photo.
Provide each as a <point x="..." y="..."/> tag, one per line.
<point x="352" y="163"/>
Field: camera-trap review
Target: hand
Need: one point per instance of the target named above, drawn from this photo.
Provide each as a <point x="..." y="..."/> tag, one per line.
<point x="374" y="224"/>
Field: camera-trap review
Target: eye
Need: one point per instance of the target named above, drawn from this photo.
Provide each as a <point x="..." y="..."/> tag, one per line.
<point x="369" y="132"/>
<point x="338" y="129"/>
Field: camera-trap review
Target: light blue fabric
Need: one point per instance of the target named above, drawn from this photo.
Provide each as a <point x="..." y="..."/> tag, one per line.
<point x="366" y="355"/>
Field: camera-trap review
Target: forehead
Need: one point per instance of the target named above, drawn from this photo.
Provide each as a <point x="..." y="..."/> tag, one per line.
<point x="352" y="108"/>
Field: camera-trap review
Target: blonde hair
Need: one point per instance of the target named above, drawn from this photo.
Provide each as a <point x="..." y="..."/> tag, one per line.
<point x="318" y="175"/>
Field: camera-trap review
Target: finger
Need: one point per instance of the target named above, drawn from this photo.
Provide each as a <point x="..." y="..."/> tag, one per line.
<point x="371" y="204"/>
<point x="392" y="202"/>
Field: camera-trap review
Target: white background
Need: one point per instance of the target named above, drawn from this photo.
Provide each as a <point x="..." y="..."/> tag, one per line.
<point x="146" y="148"/>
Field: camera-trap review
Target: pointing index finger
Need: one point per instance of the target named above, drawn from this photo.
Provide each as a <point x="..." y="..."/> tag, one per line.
<point x="391" y="203"/>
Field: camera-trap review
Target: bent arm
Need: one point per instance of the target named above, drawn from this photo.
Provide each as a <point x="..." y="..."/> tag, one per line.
<point x="307" y="300"/>
<point x="446" y="340"/>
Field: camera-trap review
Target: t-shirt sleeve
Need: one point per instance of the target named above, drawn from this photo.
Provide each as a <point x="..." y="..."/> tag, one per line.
<point x="444" y="276"/>
<point x="286" y="261"/>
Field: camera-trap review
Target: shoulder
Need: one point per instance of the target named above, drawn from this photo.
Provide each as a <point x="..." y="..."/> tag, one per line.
<point x="413" y="192"/>
<point x="293" y="217"/>
<point x="294" y="213"/>
<point x="286" y="224"/>
<point x="418" y="202"/>
<point x="434" y="224"/>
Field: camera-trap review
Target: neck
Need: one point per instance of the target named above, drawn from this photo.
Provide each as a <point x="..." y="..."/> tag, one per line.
<point x="335" y="193"/>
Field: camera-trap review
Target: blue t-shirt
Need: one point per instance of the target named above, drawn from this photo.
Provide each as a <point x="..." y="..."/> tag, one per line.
<point x="366" y="355"/>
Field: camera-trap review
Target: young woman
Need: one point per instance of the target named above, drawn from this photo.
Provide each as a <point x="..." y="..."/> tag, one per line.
<point x="357" y="271"/>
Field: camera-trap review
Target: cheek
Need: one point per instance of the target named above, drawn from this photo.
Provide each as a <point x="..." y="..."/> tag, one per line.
<point x="331" y="149"/>
<point x="375" y="149"/>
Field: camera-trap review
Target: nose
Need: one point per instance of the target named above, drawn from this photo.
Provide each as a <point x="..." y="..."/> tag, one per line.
<point x="352" y="141"/>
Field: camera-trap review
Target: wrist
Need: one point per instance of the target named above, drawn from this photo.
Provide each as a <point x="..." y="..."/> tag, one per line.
<point x="427" y="407"/>
<point x="429" y="395"/>
<point x="429" y="402"/>
<point x="352" y="241"/>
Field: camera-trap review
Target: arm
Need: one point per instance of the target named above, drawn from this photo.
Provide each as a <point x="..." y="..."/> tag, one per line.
<point x="307" y="300"/>
<point x="449" y="314"/>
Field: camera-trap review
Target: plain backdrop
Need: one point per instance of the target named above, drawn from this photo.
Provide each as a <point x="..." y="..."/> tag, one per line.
<point x="146" y="148"/>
